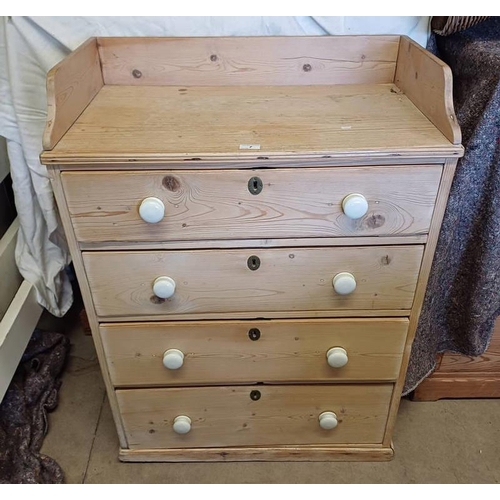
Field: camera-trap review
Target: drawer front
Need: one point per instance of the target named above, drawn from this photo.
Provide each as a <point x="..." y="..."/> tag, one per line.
<point x="215" y="352"/>
<point x="222" y="281"/>
<point x="232" y="204"/>
<point x="254" y="415"/>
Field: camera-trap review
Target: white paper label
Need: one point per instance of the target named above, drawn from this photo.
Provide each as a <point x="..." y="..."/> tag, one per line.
<point x="249" y="146"/>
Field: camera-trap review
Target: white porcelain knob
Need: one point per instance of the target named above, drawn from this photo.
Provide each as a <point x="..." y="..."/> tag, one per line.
<point x="152" y="210"/>
<point x="328" y="420"/>
<point x="182" y="424"/>
<point x="337" y="357"/>
<point x="355" y="206"/>
<point x="164" y="287"/>
<point x="173" y="359"/>
<point x="344" y="283"/>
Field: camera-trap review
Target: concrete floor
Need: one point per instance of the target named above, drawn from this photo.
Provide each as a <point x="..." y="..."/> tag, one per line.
<point x="443" y="442"/>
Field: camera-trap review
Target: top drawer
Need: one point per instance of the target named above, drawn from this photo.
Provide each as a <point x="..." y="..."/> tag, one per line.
<point x="266" y="203"/>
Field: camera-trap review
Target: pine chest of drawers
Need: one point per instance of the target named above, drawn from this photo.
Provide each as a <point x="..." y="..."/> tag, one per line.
<point x="252" y="222"/>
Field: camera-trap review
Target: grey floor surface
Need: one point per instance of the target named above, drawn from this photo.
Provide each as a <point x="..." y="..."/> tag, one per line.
<point x="442" y="442"/>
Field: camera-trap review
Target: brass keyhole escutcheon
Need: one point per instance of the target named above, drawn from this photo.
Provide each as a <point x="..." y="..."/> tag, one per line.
<point x="253" y="263"/>
<point x="255" y="395"/>
<point x="254" y="334"/>
<point x="255" y="185"/>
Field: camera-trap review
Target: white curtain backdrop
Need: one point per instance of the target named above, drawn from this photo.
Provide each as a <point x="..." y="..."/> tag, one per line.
<point x="30" y="46"/>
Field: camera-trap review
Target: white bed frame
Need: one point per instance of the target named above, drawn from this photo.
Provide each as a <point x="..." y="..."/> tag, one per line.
<point x="19" y="309"/>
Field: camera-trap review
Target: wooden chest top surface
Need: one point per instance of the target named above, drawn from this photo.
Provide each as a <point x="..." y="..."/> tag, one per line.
<point x="145" y="123"/>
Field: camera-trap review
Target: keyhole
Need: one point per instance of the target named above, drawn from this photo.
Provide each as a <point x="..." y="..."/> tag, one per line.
<point x="254" y="334"/>
<point x="253" y="263"/>
<point x="255" y="185"/>
<point x="255" y="395"/>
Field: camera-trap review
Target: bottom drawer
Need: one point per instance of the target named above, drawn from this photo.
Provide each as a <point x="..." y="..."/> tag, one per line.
<point x="254" y="415"/>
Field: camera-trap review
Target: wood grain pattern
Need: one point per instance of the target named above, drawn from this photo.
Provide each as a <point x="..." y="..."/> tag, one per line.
<point x="104" y="206"/>
<point x="428" y="82"/>
<point x="71" y="86"/>
<point x="430" y="248"/>
<point x="249" y="60"/>
<point x="489" y="362"/>
<point x="458" y="376"/>
<point x="223" y="352"/>
<point x="227" y="416"/>
<point x="458" y="386"/>
<point x="182" y="123"/>
<point x="55" y="180"/>
<point x="351" y="453"/>
<point x="288" y="279"/>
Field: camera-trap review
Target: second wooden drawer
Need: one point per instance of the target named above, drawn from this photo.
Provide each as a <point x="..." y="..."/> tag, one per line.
<point x="214" y="352"/>
<point x="253" y="283"/>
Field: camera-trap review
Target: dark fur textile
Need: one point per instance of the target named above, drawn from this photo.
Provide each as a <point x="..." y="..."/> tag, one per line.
<point x="23" y="412"/>
<point x="463" y="295"/>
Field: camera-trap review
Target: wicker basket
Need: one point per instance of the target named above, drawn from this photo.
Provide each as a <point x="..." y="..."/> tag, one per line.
<point x="447" y="25"/>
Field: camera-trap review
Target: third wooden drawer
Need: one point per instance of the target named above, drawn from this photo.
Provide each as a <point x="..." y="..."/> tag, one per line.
<point x="215" y="352"/>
